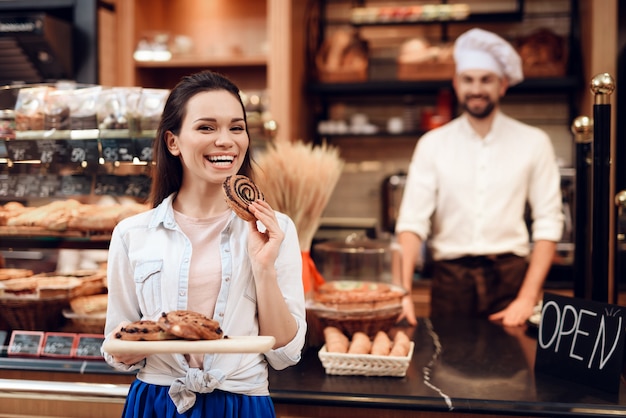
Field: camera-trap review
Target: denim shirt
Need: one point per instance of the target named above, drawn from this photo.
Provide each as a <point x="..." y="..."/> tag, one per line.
<point x="148" y="273"/>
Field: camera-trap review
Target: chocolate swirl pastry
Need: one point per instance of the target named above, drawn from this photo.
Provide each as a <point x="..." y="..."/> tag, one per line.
<point x="240" y="191"/>
<point x="190" y="325"/>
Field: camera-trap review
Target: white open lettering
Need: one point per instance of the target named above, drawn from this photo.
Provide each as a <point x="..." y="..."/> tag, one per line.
<point x="602" y="335"/>
<point x="561" y="316"/>
<point x="579" y="331"/>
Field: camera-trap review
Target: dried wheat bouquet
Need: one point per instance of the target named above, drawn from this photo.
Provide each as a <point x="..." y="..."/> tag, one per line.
<point x="298" y="179"/>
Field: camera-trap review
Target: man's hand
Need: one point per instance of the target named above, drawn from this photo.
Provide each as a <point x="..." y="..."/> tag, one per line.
<point x="515" y="314"/>
<point x="408" y="311"/>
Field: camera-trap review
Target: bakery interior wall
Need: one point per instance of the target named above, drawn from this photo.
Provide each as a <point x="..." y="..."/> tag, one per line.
<point x="372" y="158"/>
<point x="276" y="32"/>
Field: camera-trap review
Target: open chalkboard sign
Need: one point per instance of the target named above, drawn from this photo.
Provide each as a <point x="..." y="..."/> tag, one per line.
<point x="59" y="344"/>
<point x="25" y="343"/>
<point x="582" y="341"/>
<point x="88" y="346"/>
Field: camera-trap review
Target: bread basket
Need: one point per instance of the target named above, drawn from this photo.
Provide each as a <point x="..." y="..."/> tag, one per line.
<point x="357" y="305"/>
<point x="92" y="323"/>
<point x="367" y="321"/>
<point x="365" y="364"/>
<point x="33" y="314"/>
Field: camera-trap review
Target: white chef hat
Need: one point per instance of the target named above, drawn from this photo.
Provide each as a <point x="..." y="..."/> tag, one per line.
<point x="480" y="49"/>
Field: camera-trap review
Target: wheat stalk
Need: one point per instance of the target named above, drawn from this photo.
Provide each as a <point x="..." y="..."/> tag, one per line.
<point x="298" y="179"/>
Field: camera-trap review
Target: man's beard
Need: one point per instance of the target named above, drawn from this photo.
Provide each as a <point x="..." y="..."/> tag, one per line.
<point x="479" y="113"/>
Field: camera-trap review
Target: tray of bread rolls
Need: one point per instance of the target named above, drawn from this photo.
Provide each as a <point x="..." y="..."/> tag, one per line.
<point x="362" y="356"/>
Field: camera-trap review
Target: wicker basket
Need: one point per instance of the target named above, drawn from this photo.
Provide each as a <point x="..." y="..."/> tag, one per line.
<point x="33" y="314"/>
<point x="365" y="364"/>
<point x="367" y="321"/>
<point x="85" y="323"/>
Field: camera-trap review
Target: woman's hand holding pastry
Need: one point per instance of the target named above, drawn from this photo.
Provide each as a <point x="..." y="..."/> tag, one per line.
<point x="264" y="246"/>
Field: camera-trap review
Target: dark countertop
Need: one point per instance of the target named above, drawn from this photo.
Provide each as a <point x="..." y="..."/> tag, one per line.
<point x="474" y="367"/>
<point x="479" y="368"/>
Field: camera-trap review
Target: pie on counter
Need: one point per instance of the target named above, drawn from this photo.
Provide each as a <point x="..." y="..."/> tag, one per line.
<point x="357" y="295"/>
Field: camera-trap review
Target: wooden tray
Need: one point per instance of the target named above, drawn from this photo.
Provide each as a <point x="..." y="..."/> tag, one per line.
<point x="259" y="344"/>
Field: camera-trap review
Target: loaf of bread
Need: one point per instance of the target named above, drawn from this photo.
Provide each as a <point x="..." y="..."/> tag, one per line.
<point x="401" y="344"/>
<point x="360" y="344"/>
<point x="381" y="346"/>
<point x="343" y="52"/>
<point x="88" y="305"/>
<point x="335" y="340"/>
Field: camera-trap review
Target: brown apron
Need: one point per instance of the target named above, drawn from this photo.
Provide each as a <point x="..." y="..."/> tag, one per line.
<point x="476" y="285"/>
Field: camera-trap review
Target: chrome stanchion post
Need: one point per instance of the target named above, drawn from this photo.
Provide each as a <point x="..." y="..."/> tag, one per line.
<point x="602" y="213"/>
<point x="582" y="128"/>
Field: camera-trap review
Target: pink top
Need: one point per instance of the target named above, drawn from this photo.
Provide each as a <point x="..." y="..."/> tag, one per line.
<point x="205" y="272"/>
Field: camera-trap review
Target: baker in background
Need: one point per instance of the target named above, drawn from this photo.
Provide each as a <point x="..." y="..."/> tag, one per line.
<point x="468" y="186"/>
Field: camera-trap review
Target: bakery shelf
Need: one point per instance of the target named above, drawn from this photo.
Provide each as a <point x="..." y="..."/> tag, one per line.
<point x="533" y="85"/>
<point x="191" y="62"/>
<point x="50" y="239"/>
<point x="515" y="16"/>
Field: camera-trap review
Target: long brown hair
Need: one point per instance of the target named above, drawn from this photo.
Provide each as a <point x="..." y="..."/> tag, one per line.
<point x="167" y="176"/>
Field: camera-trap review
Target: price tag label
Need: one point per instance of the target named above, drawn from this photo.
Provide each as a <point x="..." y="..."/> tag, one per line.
<point x="89" y="345"/>
<point x="109" y="185"/>
<point x="49" y="185"/>
<point x="83" y="150"/>
<point x="117" y="149"/>
<point x="59" y="344"/>
<point x="46" y="148"/>
<point x="61" y="150"/>
<point x="143" y="148"/>
<point x="26" y="185"/>
<point x="5" y="185"/>
<point x="22" y="150"/>
<point x="25" y="343"/>
<point x="75" y="185"/>
<point x="137" y="186"/>
<point x="109" y="149"/>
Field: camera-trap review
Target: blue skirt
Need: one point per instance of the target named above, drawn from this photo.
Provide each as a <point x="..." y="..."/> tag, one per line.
<point x="152" y="401"/>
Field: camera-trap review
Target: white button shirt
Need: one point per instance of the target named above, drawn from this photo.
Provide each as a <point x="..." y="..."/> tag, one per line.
<point x="148" y="273"/>
<point x="468" y="194"/>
